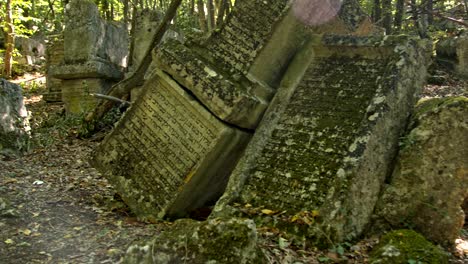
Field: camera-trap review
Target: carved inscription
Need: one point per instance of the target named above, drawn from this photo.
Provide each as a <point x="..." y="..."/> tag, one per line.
<point x="158" y="144"/>
<point x="308" y="145"/>
<point x="245" y="33"/>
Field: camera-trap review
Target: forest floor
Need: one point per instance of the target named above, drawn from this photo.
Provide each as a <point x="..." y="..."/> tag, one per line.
<point x="55" y="208"/>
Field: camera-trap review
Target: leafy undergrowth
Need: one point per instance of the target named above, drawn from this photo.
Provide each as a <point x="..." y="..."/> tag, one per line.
<point x="55" y="208"/>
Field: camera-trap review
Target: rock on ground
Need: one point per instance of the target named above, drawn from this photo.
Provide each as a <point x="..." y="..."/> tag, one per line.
<point x="430" y="181"/>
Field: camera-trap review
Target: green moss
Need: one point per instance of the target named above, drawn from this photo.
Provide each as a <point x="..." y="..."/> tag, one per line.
<point x="406" y="246"/>
<point x="434" y="105"/>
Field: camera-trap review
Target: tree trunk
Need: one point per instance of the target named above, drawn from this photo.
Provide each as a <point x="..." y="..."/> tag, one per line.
<point x="376" y="11"/>
<point x="429" y="6"/>
<point x="414" y="11"/>
<point x="126" y="11"/>
<point x="221" y="12"/>
<point x="124" y="87"/>
<point x="201" y="16"/>
<point x="9" y="40"/>
<point x="387" y="16"/>
<point x="400" y="12"/>
<point x="211" y="15"/>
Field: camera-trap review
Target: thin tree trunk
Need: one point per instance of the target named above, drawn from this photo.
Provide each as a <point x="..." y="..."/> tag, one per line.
<point x="387" y="16"/>
<point x="400" y="12"/>
<point x="414" y="11"/>
<point x="136" y="78"/>
<point x="376" y="11"/>
<point x="201" y="16"/>
<point x="9" y="40"/>
<point x="211" y="15"/>
<point x="126" y="11"/>
<point x="429" y="6"/>
<point x="221" y="12"/>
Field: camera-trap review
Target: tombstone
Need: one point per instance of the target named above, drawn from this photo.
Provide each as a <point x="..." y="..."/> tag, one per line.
<point x="54" y="56"/>
<point x="169" y="154"/>
<point x="325" y="145"/>
<point x="232" y="75"/>
<point x="14" y="124"/>
<point x="95" y="53"/>
<point x="430" y="182"/>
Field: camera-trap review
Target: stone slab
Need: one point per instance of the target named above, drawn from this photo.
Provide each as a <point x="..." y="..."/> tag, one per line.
<point x="88" y="69"/>
<point x="76" y="93"/>
<point x="169" y="155"/>
<point x="327" y="139"/>
<point x="54" y="56"/>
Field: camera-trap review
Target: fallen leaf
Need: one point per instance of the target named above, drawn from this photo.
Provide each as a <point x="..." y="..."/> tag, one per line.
<point x="9" y="241"/>
<point x="267" y="211"/>
<point x="26" y="232"/>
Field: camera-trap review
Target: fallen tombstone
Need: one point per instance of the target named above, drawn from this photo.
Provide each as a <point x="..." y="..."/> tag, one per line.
<point x="14" y="123"/>
<point x="430" y="182"/>
<point x="169" y="155"/>
<point x="325" y="145"/>
<point x="226" y="88"/>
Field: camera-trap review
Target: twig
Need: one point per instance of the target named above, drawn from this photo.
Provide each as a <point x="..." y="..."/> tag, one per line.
<point x="111" y="98"/>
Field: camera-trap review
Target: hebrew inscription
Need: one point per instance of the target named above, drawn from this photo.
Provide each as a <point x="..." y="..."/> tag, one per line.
<point x="159" y="147"/>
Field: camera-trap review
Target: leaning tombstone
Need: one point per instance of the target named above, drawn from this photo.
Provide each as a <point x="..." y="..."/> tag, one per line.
<point x="232" y="75"/>
<point x="325" y="145"/>
<point x="169" y="155"/>
<point x="14" y="123"/>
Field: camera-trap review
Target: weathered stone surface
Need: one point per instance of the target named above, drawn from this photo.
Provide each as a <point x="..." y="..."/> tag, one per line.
<point x="76" y="93"/>
<point x="54" y="56"/>
<point x="462" y="55"/>
<point x="88" y="37"/>
<point x="430" y="181"/>
<point x="330" y="133"/>
<point x="212" y="241"/>
<point x="14" y="124"/>
<point x="93" y="49"/>
<point x="88" y="69"/>
<point x="403" y="246"/>
<point x="169" y="155"/>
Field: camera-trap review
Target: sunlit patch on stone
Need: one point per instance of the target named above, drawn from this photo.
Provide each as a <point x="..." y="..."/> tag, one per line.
<point x="316" y="12"/>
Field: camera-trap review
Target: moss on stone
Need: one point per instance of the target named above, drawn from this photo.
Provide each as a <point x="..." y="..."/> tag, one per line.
<point x="406" y="246"/>
<point x="213" y="241"/>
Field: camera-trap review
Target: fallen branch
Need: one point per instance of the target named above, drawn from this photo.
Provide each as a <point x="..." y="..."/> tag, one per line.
<point x="111" y="98"/>
<point x="124" y="87"/>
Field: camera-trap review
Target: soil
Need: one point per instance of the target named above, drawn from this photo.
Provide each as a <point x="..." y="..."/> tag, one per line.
<point x="55" y="208"/>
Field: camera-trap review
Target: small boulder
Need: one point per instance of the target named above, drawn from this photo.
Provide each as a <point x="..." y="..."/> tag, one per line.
<point x="189" y="241"/>
<point x="14" y="124"/>
<point x="406" y="246"/>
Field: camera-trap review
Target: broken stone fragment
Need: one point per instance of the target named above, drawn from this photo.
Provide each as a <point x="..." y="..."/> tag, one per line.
<point x="328" y="137"/>
<point x="212" y="241"/>
<point x="14" y="123"/>
<point x="430" y="181"/>
<point x="404" y="246"/>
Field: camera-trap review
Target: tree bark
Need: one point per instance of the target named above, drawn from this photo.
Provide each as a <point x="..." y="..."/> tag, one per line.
<point x="201" y="16"/>
<point x="400" y="12"/>
<point x="136" y="78"/>
<point x="211" y="15"/>
<point x="221" y="12"/>
<point x="9" y="40"/>
<point x="387" y="16"/>
<point x="376" y="11"/>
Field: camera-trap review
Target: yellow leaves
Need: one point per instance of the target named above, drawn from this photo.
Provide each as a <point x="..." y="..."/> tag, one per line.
<point x="305" y="217"/>
<point x="25" y="232"/>
<point x="9" y="241"/>
<point x="268" y="212"/>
